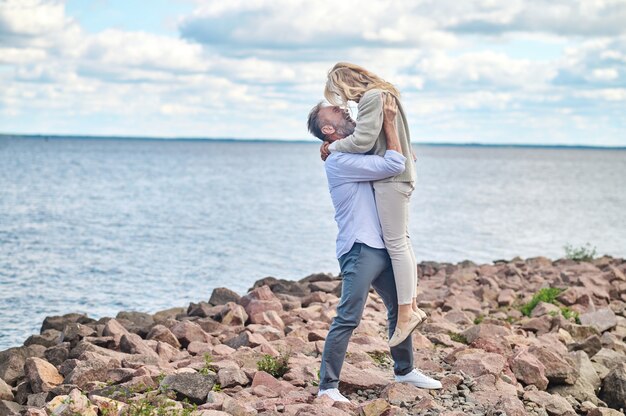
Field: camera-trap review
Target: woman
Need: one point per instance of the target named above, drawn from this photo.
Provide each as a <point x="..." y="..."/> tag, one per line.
<point x="349" y="82"/>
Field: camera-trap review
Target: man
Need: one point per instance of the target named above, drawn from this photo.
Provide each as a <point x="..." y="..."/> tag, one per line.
<point x="360" y="248"/>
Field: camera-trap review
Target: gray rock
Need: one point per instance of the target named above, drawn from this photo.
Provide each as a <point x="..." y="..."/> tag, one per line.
<point x="193" y="386"/>
<point x="59" y="322"/>
<point x="73" y="332"/>
<point x="609" y="358"/>
<point x="48" y="338"/>
<point x="587" y="384"/>
<point x="591" y="345"/>
<point x="133" y="344"/>
<point x="232" y="376"/>
<point x="222" y="295"/>
<point x="57" y="354"/>
<point x="12" y="361"/>
<point x="602" y="319"/>
<point x="137" y="322"/>
<point x="8" y="408"/>
<point x="614" y="388"/>
<point x="37" y="399"/>
<point x="203" y="310"/>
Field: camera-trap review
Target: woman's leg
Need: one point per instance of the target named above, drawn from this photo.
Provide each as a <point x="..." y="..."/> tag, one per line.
<point x="392" y="202"/>
<point x="414" y="301"/>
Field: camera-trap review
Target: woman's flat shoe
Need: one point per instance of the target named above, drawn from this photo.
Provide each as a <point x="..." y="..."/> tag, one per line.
<point x="400" y="335"/>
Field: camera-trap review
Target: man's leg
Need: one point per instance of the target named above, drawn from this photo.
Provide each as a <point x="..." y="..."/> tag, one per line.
<point x="359" y="267"/>
<point x="402" y="354"/>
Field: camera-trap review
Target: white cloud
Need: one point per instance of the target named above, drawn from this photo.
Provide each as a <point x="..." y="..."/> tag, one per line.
<point x="253" y="68"/>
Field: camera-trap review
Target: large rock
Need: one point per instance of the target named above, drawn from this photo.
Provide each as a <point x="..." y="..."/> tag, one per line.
<point x="47" y="338"/>
<point x="192" y="386"/>
<point x="187" y="331"/>
<point x="587" y="383"/>
<point x="75" y="403"/>
<point x="602" y="319"/>
<point x="222" y="295"/>
<point x="136" y="322"/>
<point x="529" y="370"/>
<point x="232" y="376"/>
<point x="42" y="375"/>
<point x="353" y="379"/>
<point x="591" y="345"/>
<point x="488" y="331"/>
<point x="59" y="322"/>
<point x="12" y="361"/>
<point x="5" y="391"/>
<point x="477" y="363"/>
<point x="554" y="404"/>
<point x="614" y="388"/>
<point x="133" y="344"/>
<point x="163" y="334"/>
<point x="9" y="408"/>
<point x="233" y="314"/>
<point x="558" y="369"/>
<point x="88" y="370"/>
<point x="260" y="300"/>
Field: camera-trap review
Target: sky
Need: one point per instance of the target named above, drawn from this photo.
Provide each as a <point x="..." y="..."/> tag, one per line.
<point x="477" y="71"/>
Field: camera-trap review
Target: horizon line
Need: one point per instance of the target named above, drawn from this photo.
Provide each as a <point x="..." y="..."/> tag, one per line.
<point x="309" y="141"/>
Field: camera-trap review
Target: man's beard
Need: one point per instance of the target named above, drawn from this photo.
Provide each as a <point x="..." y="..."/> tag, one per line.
<point x="345" y="129"/>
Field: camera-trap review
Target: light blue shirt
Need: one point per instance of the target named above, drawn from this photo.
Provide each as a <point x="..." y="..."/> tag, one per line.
<point x="349" y="181"/>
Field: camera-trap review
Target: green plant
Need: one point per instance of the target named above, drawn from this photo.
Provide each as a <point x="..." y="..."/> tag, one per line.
<point x="568" y="313"/>
<point x="379" y="357"/>
<point x="582" y="253"/>
<point x="208" y="364"/>
<point x="546" y="294"/>
<point x="277" y="367"/>
<point x="457" y="337"/>
<point x="217" y="387"/>
<point x="478" y="319"/>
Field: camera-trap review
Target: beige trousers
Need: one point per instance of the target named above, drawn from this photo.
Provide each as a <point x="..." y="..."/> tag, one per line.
<point x="392" y="202"/>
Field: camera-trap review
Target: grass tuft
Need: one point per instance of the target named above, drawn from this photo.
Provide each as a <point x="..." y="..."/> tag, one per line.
<point x="277" y="367"/>
<point x="547" y="294"/>
<point x="458" y="337"/>
<point x="582" y="253"/>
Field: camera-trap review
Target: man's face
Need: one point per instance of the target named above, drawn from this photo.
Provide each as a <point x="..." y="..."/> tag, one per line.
<point x="339" y="119"/>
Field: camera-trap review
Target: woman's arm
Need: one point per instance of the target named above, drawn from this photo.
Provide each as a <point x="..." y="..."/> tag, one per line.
<point x="369" y="123"/>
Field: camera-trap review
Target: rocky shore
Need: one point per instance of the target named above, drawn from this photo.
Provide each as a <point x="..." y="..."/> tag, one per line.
<point x="519" y="337"/>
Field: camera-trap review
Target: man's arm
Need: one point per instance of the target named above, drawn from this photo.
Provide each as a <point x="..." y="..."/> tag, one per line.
<point x="369" y="122"/>
<point x="390" y="110"/>
<point x="349" y="167"/>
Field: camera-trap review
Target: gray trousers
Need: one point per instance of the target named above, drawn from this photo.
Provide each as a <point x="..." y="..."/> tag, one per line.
<point x="361" y="268"/>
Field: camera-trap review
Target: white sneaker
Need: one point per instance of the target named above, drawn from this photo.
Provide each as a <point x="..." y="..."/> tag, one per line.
<point x="333" y="394"/>
<point x="418" y="379"/>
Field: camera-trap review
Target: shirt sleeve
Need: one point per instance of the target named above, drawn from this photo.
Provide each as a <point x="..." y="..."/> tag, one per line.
<point x="369" y="123"/>
<point x="348" y="167"/>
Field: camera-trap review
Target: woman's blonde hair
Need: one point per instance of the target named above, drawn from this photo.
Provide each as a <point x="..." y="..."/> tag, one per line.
<point x="348" y="82"/>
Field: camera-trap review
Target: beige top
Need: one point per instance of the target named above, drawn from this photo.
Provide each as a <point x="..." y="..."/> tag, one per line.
<point x="369" y="137"/>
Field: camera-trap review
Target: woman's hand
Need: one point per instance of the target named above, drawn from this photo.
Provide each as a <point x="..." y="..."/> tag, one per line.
<point x="324" y="152"/>
<point x="390" y="109"/>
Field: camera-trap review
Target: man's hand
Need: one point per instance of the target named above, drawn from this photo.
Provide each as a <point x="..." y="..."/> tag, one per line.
<point x="390" y="109"/>
<point x="324" y="152"/>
